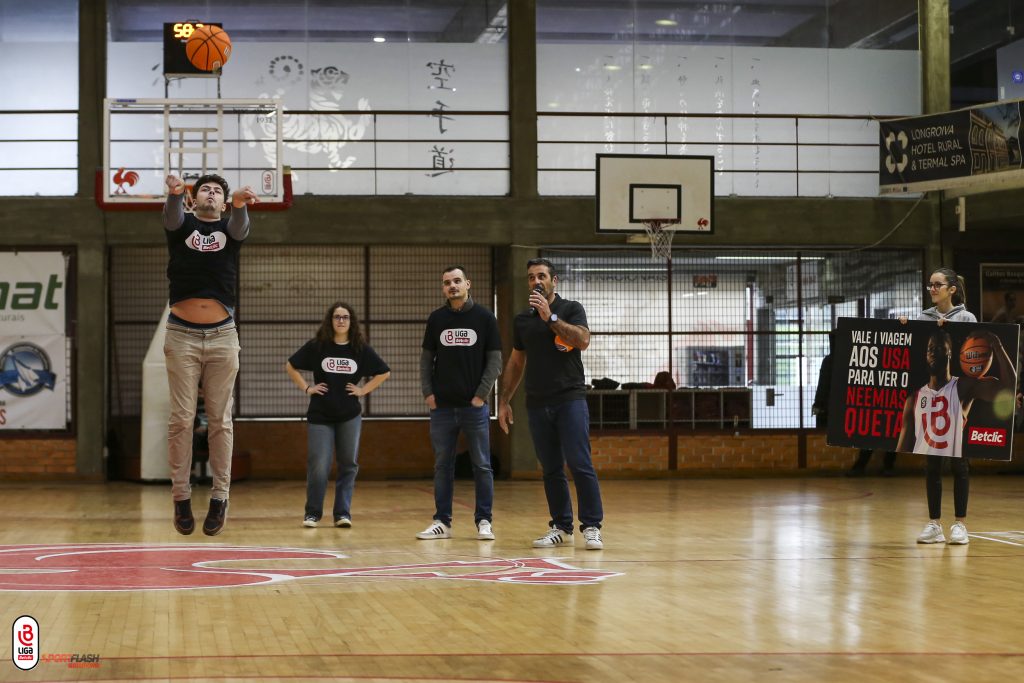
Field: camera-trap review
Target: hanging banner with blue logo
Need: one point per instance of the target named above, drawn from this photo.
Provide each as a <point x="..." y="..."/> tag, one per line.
<point x="925" y="388"/>
<point x="973" y="146"/>
<point x="33" y="343"/>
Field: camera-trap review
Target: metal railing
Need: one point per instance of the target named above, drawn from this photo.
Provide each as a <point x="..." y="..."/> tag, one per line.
<point x="384" y="152"/>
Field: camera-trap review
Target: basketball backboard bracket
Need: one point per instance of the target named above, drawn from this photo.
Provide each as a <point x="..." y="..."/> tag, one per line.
<point x="147" y="139"/>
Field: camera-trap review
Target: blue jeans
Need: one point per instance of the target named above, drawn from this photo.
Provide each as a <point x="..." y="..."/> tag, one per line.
<point x="445" y="424"/>
<point x="561" y="435"/>
<point x="325" y="441"/>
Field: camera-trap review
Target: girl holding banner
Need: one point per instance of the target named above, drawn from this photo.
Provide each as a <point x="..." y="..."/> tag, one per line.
<point x="944" y="403"/>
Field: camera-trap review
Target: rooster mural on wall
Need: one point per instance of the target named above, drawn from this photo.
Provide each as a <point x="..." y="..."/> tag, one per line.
<point x="122" y="178"/>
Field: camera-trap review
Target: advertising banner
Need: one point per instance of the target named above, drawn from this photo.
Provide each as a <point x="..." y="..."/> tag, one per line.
<point x="922" y="387"/>
<point x="1002" y="293"/>
<point x="33" y="382"/>
<point x="952" y="149"/>
<point x="33" y="345"/>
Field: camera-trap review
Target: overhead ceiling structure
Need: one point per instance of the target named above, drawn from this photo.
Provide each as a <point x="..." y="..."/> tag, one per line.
<point x="978" y="27"/>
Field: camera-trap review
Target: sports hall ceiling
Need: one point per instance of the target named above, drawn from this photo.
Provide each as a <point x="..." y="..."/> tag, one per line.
<point x="978" y="27"/>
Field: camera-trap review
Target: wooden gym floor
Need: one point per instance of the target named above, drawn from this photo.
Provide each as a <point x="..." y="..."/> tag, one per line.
<point x="761" y="580"/>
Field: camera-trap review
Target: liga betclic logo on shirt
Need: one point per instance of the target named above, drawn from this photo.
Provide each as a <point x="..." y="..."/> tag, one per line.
<point x="213" y="242"/>
<point x="458" y="337"/>
<point x="340" y="366"/>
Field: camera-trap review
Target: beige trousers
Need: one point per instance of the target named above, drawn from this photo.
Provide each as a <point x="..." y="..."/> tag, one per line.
<point x="209" y="357"/>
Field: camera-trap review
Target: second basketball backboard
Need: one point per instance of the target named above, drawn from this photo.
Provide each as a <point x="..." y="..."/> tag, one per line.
<point x="634" y="189"/>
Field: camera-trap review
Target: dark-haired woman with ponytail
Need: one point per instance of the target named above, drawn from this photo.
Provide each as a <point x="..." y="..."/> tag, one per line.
<point x="948" y="294"/>
<point x="339" y="359"/>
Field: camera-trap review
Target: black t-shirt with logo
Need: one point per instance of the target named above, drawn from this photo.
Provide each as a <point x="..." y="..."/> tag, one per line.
<point x="554" y="370"/>
<point x="203" y="261"/>
<point x="336" y="365"/>
<point x="459" y="341"/>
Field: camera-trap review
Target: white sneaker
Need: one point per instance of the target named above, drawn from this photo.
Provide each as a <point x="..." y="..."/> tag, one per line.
<point x="932" y="534"/>
<point x="310" y="521"/>
<point x="484" y="531"/>
<point x="958" y="534"/>
<point x="437" y="529"/>
<point x="343" y="522"/>
<point x="554" y="537"/>
<point x="593" y="536"/>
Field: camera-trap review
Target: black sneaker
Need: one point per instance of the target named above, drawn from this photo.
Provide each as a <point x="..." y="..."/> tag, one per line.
<point x="184" y="522"/>
<point x="216" y="517"/>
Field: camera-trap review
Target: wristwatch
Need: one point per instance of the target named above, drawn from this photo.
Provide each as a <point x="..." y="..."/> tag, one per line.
<point x="553" y="318"/>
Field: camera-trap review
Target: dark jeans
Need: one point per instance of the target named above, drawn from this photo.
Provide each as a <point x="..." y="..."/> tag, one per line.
<point x="326" y="441"/>
<point x="933" y="484"/>
<point x="561" y="435"/>
<point x="445" y="424"/>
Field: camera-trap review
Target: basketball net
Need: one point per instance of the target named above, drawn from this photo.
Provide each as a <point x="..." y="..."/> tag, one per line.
<point x="661" y="239"/>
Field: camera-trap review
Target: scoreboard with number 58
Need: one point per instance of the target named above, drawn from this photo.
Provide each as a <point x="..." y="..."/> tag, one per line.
<point x="175" y="36"/>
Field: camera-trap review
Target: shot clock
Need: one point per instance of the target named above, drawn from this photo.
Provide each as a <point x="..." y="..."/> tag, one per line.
<point x="176" y="35"/>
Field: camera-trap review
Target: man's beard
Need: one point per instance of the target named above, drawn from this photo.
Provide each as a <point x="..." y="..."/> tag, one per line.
<point x="207" y="211"/>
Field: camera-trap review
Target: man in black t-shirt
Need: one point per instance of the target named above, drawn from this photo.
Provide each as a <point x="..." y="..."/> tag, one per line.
<point x="553" y="333"/>
<point x="460" y="361"/>
<point x="201" y="343"/>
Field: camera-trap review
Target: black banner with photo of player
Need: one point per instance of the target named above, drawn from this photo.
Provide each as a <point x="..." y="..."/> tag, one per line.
<point x="922" y="387"/>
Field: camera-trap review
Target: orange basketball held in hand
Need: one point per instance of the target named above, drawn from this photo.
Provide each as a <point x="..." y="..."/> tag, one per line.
<point x="208" y="48"/>
<point x="563" y="345"/>
<point x="975" y="356"/>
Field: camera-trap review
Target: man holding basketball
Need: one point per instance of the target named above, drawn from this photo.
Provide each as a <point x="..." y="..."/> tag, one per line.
<point x="553" y="333"/>
<point x="934" y="416"/>
<point x="201" y="345"/>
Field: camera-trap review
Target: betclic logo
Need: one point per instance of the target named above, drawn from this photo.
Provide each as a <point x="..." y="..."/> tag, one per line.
<point x="25" y="642"/>
<point x="987" y="436"/>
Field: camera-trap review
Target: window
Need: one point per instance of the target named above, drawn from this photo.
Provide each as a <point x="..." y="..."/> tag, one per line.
<point x="39" y="114"/>
<point x="757" y="320"/>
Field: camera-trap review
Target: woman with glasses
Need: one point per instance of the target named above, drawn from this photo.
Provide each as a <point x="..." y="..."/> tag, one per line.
<point x="947" y="291"/>
<point x="339" y="359"/>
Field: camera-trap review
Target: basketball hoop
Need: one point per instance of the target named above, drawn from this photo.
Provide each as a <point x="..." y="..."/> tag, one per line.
<point x="661" y="239"/>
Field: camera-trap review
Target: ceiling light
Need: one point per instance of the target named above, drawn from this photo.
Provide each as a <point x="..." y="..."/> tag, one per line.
<point x="666" y="22"/>
<point x="379" y="39"/>
<point x="646" y="67"/>
<point x="612" y="67"/>
<point x="553" y="105"/>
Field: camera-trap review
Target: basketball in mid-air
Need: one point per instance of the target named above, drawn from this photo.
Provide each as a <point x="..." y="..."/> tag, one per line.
<point x="975" y="356"/>
<point x="208" y="48"/>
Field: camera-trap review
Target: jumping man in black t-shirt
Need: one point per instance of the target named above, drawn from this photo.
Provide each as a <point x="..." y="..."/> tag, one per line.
<point x="201" y="345"/>
<point x="552" y="334"/>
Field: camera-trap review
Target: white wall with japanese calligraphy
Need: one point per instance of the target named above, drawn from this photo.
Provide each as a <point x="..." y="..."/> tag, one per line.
<point x="712" y="100"/>
<point x="360" y="151"/>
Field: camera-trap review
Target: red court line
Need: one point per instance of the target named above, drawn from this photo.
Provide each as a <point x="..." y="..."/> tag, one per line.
<point x="469" y="655"/>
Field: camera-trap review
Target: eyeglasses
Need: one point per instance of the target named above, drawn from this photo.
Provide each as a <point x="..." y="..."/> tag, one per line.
<point x="342" y="318"/>
<point x="936" y="285"/>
